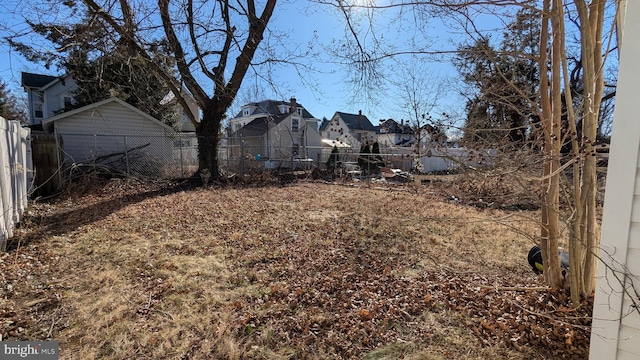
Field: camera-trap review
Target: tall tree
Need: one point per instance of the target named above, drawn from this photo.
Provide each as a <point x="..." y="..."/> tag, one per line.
<point x="10" y="108"/>
<point x="213" y="45"/>
<point x="503" y="83"/>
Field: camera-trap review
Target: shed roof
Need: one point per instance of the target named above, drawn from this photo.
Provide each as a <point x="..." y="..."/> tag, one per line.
<point x="48" y="123"/>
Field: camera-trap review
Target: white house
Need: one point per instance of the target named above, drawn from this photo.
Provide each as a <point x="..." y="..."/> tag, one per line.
<point x="185" y="124"/>
<point x="115" y="134"/>
<point x="47" y="95"/>
<point x="286" y="139"/>
<point x="615" y="330"/>
<point x="255" y="110"/>
<point x="393" y="134"/>
<point x="353" y="129"/>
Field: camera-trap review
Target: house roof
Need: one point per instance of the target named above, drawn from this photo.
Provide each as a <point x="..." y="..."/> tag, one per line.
<point x="36" y="80"/>
<point x="356" y="121"/>
<point x="48" y="122"/>
<point x="325" y="123"/>
<point x="270" y="107"/>
<point x="391" y="126"/>
<point x="260" y="125"/>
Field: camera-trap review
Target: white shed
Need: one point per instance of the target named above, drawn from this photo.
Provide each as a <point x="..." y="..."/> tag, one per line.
<point x="615" y="330"/>
<point x="115" y="134"/>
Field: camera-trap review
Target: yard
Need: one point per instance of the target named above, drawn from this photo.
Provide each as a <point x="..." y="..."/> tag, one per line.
<point x="121" y="270"/>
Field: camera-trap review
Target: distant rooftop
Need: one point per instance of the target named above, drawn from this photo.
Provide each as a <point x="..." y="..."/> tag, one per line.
<point x="270" y="107"/>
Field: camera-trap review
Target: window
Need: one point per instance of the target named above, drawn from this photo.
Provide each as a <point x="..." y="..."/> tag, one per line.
<point x="245" y="112"/>
<point x="295" y="149"/>
<point x="38" y="106"/>
<point x="181" y="143"/>
<point x="38" y="111"/>
<point x="300" y="112"/>
<point x="67" y="101"/>
<point x="295" y="124"/>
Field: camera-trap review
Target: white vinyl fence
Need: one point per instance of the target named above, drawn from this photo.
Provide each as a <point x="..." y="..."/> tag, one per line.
<point x="15" y="176"/>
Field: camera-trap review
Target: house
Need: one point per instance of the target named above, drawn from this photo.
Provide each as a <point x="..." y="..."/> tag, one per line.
<point x="277" y="134"/>
<point x="185" y="124"/>
<point x="117" y="135"/>
<point x="255" y="110"/>
<point x="47" y="95"/>
<point x="390" y="133"/>
<point x="353" y="129"/>
<point x="615" y="329"/>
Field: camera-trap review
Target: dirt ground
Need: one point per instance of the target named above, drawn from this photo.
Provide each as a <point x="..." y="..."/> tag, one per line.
<point x="121" y="269"/>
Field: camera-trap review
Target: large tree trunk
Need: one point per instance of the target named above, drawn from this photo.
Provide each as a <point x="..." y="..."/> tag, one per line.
<point x="208" y="133"/>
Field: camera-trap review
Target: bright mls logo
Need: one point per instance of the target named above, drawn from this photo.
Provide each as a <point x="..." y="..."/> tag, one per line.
<point x="41" y="350"/>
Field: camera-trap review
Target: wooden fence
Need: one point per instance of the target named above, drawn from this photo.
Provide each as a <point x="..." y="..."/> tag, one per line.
<point x="15" y="175"/>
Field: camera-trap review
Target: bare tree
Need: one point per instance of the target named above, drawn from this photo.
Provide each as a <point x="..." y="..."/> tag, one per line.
<point x="213" y="43"/>
<point x="421" y="91"/>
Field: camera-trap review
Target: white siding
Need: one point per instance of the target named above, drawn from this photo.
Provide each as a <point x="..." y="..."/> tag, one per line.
<point x="623" y="355"/>
<point x="91" y="135"/>
<point x="110" y="118"/>
<point x="615" y="332"/>
<point x="628" y="341"/>
<point x="54" y="95"/>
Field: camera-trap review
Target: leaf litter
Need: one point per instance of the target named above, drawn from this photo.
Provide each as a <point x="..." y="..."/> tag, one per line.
<point x="120" y="269"/>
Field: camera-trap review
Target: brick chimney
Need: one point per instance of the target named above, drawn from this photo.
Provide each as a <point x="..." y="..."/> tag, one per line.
<point x="360" y="118"/>
<point x="294" y="105"/>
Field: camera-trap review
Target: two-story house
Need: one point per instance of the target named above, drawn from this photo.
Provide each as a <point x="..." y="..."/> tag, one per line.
<point x="47" y="95"/>
<point x="254" y="110"/>
<point x="393" y="134"/>
<point x="282" y="134"/>
<point x="352" y="129"/>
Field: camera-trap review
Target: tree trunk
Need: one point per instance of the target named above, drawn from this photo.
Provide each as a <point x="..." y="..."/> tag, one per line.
<point x="208" y="133"/>
<point x="591" y="20"/>
<point x="550" y="118"/>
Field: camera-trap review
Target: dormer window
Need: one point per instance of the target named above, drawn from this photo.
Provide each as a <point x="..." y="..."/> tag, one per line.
<point x="246" y="112"/>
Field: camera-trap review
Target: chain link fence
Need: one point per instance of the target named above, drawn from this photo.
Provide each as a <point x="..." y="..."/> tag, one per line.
<point x="175" y="155"/>
<point x="160" y="156"/>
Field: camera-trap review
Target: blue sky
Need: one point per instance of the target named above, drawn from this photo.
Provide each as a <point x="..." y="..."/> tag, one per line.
<point x="326" y="89"/>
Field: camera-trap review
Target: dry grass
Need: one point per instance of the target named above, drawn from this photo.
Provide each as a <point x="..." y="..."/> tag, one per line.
<point x="306" y="271"/>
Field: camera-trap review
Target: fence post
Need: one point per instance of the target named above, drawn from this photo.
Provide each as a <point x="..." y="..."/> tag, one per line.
<point x="58" y="150"/>
<point x="181" y="156"/>
<point x="126" y="154"/>
<point x="241" y="156"/>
